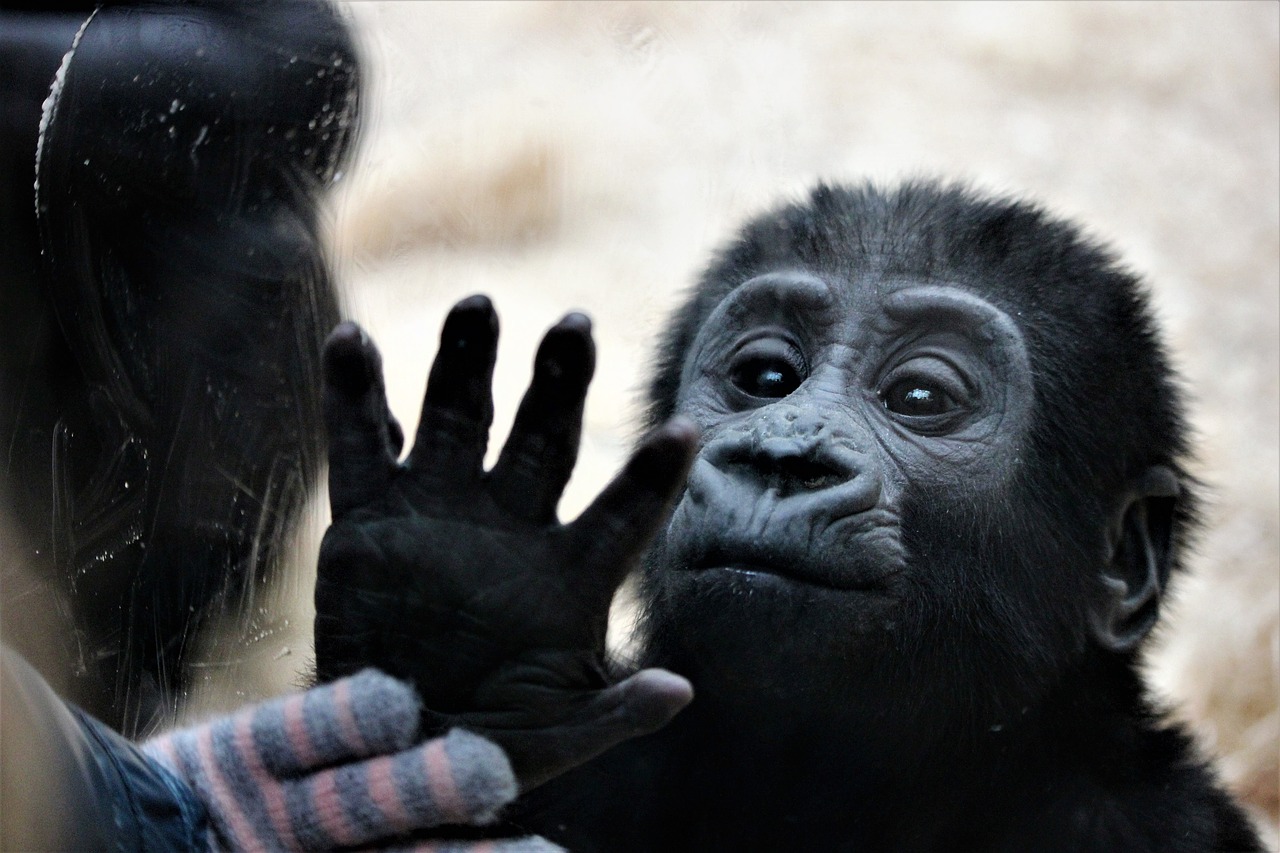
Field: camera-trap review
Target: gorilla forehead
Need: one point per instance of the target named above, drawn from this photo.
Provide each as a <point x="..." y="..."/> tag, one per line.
<point x="1004" y="250"/>
<point x="1088" y="329"/>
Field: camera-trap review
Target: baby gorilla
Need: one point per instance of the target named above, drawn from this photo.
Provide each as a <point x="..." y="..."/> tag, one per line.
<point x="938" y="497"/>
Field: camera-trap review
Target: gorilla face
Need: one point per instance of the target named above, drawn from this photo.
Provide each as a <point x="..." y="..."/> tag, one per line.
<point x="939" y="473"/>
<point x="839" y="419"/>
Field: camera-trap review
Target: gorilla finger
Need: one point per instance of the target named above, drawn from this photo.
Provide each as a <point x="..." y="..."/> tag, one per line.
<point x="539" y="456"/>
<point x="641" y="704"/>
<point x="618" y="526"/>
<point x="395" y="432"/>
<point x="457" y="408"/>
<point x="345" y="634"/>
<point x="364" y="438"/>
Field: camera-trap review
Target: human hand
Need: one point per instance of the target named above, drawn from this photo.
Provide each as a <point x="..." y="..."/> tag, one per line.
<point x="332" y="769"/>
<point x="463" y="580"/>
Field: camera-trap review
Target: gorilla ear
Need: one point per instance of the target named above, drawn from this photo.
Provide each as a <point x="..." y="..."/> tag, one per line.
<point x="1134" y="577"/>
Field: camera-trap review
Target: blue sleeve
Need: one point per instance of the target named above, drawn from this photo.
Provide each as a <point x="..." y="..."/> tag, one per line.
<point x="71" y="783"/>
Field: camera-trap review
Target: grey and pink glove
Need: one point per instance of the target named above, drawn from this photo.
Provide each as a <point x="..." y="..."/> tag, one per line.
<point x="336" y="768"/>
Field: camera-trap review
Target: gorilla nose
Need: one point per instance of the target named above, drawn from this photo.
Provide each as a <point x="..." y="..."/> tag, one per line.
<point x="791" y="466"/>
<point x="793" y="462"/>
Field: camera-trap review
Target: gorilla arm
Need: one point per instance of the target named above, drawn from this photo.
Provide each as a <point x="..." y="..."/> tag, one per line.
<point x="463" y="581"/>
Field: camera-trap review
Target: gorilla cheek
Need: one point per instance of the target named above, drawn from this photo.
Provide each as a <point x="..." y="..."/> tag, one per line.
<point x="982" y="613"/>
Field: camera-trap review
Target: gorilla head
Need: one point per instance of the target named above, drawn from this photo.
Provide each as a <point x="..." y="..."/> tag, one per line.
<point x="940" y="459"/>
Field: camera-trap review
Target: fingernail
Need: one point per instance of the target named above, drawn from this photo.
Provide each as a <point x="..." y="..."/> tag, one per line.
<point x="681" y="428"/>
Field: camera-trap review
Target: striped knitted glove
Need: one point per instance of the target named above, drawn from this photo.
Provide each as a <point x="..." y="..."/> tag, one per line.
<point x="332" y="768"/>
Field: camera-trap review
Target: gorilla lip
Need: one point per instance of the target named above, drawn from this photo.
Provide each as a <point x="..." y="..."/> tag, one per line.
<point x="786" y="571"/>
<point x="757" y="570"/>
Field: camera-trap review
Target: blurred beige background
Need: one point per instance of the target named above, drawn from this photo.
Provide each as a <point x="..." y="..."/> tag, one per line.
<point x="575" y="155"/>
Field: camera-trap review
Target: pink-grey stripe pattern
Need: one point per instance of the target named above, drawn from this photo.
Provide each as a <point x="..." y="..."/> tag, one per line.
<point x="335" y="767"/>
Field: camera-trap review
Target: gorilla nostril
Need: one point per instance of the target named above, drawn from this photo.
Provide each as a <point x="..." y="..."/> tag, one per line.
<point x="801" y="474"/>
<point x="785" y="465"/>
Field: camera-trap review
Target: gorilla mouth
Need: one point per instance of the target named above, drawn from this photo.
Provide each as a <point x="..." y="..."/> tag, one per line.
<point x="770" y="572"/>
<point x="756" y="572"/>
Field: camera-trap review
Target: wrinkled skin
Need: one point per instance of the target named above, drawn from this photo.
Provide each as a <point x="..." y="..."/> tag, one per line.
<point x="824" y="409"/>
<point x="462" y="580"/>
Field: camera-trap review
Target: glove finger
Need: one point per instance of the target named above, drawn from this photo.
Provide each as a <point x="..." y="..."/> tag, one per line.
<point x="641" y="704"/>
<point x="540" y="453"/>
<point x="457" y="408"/>
<point x="614" y="530"/>
<point x="366" y="714"/>
<point x="243" y="801"/>
<point x="460" y="778"/>
<point x="364" y="438"/>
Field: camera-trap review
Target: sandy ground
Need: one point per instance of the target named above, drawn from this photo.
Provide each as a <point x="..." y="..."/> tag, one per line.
<point x="573" y="155"/>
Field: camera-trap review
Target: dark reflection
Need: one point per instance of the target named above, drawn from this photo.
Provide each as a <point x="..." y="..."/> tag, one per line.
<point x="164" y="296"/>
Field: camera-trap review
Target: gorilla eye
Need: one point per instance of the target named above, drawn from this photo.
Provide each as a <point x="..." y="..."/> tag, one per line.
<point x="914" y="398"/>
<point x="926" y="405"/>
<point x="770" y="378"/>
<point x="930" y="393"/>
<point x="768" y="369"/>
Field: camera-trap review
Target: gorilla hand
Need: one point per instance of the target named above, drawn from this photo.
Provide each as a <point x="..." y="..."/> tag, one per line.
<point x="463" y="580"/>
